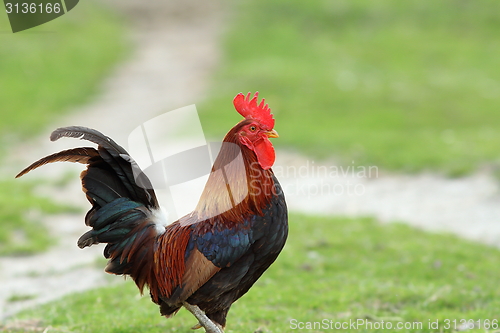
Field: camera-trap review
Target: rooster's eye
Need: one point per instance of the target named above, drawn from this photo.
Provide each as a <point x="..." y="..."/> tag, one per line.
<point x="253" y="128"/>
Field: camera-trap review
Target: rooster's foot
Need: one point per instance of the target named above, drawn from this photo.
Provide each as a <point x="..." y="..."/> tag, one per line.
<point x="204" y="321"/>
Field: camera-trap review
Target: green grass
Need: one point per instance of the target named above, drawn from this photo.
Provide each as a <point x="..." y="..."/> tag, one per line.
<point x="331" y="268"/>
<point x="21" y="231"/>
<point x="404" y="85"/>
<point x="49" y="68"/>
<point x="20" y="298"/>
<point x="44" y="72"/>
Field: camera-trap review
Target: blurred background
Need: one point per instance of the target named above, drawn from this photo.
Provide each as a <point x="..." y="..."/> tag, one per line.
<point x="387" y="112"/>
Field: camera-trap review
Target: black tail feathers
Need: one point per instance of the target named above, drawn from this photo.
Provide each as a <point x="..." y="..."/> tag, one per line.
<point x="110" y="171"/>
<point x="121" y="209"/>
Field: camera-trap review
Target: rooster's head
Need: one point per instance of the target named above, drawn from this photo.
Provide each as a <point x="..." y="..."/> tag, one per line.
<point x="256" y="129"/>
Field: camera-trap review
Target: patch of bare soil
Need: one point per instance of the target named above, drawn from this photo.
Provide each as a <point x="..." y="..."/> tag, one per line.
<point x="467" y="206"/>
<point x="175" y="49"/>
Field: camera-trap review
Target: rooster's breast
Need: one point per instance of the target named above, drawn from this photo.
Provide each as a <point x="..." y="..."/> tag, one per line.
<point x="266" y="235"/>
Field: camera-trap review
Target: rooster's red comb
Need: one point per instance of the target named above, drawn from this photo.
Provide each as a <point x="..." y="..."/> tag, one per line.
<point x="249" y="109"/>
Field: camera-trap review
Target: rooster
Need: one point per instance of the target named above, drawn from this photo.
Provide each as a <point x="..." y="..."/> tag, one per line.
<point x="207" y="259"/>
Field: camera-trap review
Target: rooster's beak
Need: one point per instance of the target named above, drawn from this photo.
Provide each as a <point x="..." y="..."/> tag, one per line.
<point x="272" y="134"/>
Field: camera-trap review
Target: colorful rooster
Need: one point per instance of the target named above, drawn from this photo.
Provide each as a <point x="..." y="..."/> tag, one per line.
<point x="207" y="259"/>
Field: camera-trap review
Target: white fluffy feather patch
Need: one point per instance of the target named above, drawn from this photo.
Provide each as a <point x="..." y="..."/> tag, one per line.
<point x="160" y="219"/>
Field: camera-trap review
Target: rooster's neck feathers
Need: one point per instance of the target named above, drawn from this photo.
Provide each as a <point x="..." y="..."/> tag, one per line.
<point x="237" y="186"/>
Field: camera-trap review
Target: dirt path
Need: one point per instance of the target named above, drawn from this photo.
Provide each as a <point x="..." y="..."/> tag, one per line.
<point x="468" y="206"/>
<point x="175" y="51"/>
<point x="176" y="45"/>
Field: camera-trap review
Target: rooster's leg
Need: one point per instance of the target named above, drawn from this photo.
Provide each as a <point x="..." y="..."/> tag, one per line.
<point x="209" y="325"/>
